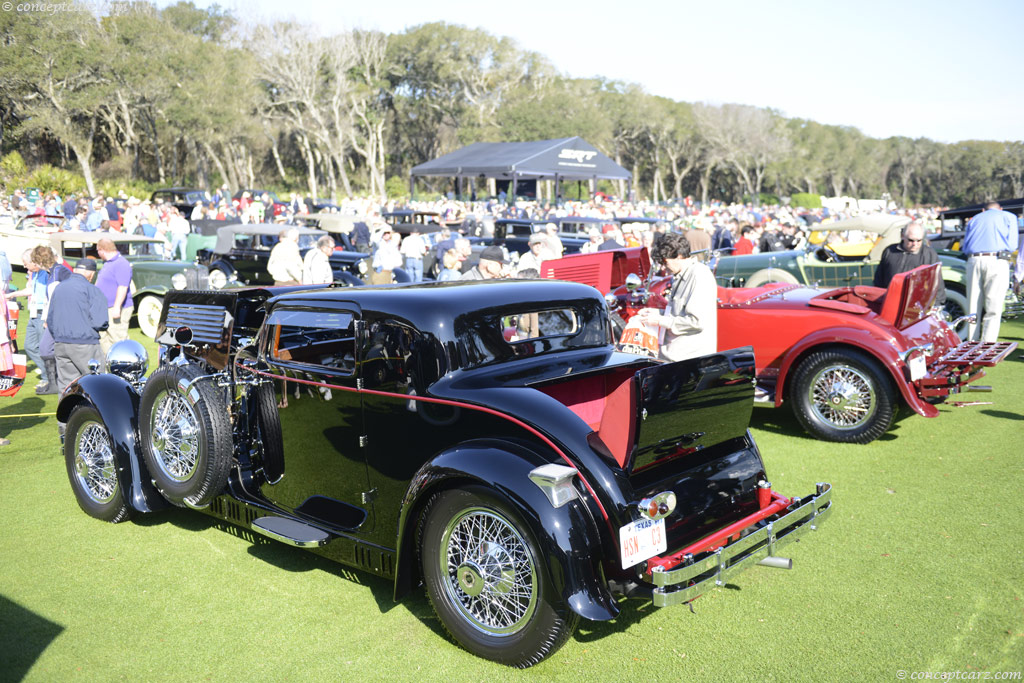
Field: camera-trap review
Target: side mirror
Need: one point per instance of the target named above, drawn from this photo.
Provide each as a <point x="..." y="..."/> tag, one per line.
<point x="633" y="282"/>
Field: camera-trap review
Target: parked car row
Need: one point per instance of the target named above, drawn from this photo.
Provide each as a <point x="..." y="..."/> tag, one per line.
<point x="490" y="440"/>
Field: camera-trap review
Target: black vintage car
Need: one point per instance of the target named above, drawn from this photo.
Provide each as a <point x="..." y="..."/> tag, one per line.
<point x="485" y="439"/>
<point x="242" y="250"/>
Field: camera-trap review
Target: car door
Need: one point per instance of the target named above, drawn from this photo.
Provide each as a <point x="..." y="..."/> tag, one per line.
<point x="311" y="351"/>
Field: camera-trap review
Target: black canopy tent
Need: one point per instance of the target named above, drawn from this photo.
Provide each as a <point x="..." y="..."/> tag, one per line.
<point x="562" y="159"/>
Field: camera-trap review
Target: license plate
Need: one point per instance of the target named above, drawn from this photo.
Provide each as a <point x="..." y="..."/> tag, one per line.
<point x="640" y="540"/>
<point x="918" y="368"/>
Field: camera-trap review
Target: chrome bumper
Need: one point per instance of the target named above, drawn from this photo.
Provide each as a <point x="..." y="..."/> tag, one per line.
<point x="698" y="576"/>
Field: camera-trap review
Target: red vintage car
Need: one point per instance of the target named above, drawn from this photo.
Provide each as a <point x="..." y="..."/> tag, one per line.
<point x="844" y="358"/>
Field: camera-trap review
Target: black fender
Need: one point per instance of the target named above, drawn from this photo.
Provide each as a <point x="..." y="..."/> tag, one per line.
<point x="401" y="275"/>
<point x="117" y="402"/>
<point x="567" y="535"/>
<point x="226" y="266"/>
<point x="349" y="279"/>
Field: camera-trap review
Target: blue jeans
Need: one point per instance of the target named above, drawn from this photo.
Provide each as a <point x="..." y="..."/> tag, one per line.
<point x="33" y="335"/>
<point x="414" y="266"/>
<point x="178" y="244"/>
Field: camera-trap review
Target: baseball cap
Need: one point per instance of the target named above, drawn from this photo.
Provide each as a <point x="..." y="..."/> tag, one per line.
<point x="86" y="264"/>
<point x="537" y="238"/>
<point x="493" y="253"/>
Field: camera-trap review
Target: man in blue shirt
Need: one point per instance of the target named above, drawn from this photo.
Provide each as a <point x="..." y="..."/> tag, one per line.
<point x="989" y="239"/>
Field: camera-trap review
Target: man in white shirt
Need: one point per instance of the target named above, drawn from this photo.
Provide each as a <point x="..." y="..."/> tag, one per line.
<point x="316" y="265"/>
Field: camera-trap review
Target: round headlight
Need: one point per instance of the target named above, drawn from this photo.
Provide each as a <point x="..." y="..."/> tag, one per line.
<point x="363" y="267"/>
<point x="179" y="281"/>
<point x="128" y="359"/>
<point x="218" y="279"/>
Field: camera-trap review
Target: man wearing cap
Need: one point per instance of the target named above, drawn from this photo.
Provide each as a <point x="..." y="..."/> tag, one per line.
<point x="536" y="255"/>
<point x="77" y="315"/>
<point x="594" y="235"/>
<point x="612" y="238"/>
<point x="491" y="266"/>
<point x="989" y="239"/>
<point x="115" y="281"/>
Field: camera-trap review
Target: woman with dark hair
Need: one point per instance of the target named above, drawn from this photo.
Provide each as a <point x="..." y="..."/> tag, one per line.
<point x="691" y="318"/>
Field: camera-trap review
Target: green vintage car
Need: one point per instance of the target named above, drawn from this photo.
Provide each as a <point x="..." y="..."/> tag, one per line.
<point x="827" y="265"/>
<point x="152" y="276"/>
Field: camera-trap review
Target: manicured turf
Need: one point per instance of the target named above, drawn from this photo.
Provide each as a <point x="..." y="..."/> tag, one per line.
<point x="920" y="568"/>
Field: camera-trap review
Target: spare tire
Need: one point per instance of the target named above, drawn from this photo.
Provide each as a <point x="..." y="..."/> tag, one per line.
<point x="268" y="423"/>
<point x="768" y="275"/>
<point x="186" y="435"/>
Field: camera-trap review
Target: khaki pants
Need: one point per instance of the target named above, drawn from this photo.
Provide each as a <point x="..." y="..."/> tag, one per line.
<point x="381" y="278"/>
<point x="988" y="278"/>
<point x="115" y="332"/>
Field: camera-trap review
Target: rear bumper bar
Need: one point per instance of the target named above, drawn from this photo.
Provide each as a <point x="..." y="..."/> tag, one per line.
<point x="696" y="575"/>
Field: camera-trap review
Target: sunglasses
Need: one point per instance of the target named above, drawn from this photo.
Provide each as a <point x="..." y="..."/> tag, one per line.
<point x="911" y="241"/>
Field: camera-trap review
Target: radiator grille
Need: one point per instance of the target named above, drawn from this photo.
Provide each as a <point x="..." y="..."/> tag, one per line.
<point x="208" y="323"/>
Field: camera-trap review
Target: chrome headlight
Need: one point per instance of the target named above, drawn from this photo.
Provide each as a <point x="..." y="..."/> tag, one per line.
<point x="363" y="267"/>
<point x="128" y="359"/>
<point x="218" y="279"/>
<point x="179" y="281"/>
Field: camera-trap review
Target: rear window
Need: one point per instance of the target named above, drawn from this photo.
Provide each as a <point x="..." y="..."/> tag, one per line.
<point x="494" y="335"/>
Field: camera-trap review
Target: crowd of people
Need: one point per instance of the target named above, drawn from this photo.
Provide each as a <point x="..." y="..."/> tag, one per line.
<point x="681" y="236"/>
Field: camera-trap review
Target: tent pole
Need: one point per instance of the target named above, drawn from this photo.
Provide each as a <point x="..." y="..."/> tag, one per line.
<point x="412" y="188"/>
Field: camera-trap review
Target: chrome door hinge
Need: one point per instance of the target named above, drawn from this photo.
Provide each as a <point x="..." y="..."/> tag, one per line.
<point x="369" y="496"/>
<point x="363" y="440"/>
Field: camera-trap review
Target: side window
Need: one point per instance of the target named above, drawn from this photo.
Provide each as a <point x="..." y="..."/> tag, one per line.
<point x="322" y="338"/>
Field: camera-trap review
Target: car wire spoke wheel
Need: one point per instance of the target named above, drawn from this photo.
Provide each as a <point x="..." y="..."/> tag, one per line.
<point x="185" y="429"/>
<point x="843" y="396"/>
<point x="483" y="578"/>
<point x="490" y="574"/>
<point x="94" y="463"/>
<point x="175" y="436"/>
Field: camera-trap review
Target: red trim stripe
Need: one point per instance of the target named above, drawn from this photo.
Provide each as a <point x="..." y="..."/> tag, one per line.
<point x="442" y="401"/>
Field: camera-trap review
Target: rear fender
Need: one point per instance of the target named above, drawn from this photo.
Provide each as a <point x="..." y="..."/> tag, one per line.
<point x="881" y="349"/>
<point x="118" y="405"/>
<point x="567" y="535"/>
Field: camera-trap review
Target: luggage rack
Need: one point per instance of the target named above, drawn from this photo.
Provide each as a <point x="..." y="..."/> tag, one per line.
<point x="978" y="353"/>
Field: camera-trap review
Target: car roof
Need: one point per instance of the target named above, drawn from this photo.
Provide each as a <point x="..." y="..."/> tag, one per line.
<point x="93" y="237"/>
<point x="433" y="306"/>
<point x="226" y="234"/>
<point x="879" y="223"/>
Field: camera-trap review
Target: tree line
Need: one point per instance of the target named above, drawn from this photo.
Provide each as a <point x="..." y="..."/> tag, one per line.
<point x="189" y="96"/>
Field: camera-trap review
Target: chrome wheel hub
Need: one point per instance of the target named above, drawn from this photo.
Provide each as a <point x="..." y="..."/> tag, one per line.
<point x="94" y="463"/>
<point x="842" y="396"/>
<point x="175" y="436"/>
<point x="490" y="574"/>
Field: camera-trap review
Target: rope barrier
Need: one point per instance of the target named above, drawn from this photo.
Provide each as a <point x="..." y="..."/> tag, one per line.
<point x="29" y="415"/>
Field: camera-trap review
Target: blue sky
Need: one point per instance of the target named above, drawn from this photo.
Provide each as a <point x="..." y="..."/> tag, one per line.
<point x="944" y="70"/>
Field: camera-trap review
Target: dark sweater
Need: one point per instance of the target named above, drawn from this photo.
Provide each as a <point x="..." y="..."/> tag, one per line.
<point x="895" y="259"/>
<point x="78" y="312"/>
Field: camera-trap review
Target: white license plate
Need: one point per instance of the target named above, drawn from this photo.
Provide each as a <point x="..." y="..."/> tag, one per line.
<point x="640" y="540"/>
<point x="918" y="368"/>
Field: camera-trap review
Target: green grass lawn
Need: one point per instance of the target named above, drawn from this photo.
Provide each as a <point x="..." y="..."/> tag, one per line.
<point x="920" y="568"/>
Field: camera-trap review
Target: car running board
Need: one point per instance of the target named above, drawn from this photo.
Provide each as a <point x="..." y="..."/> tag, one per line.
<point x="290" y="531"/>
